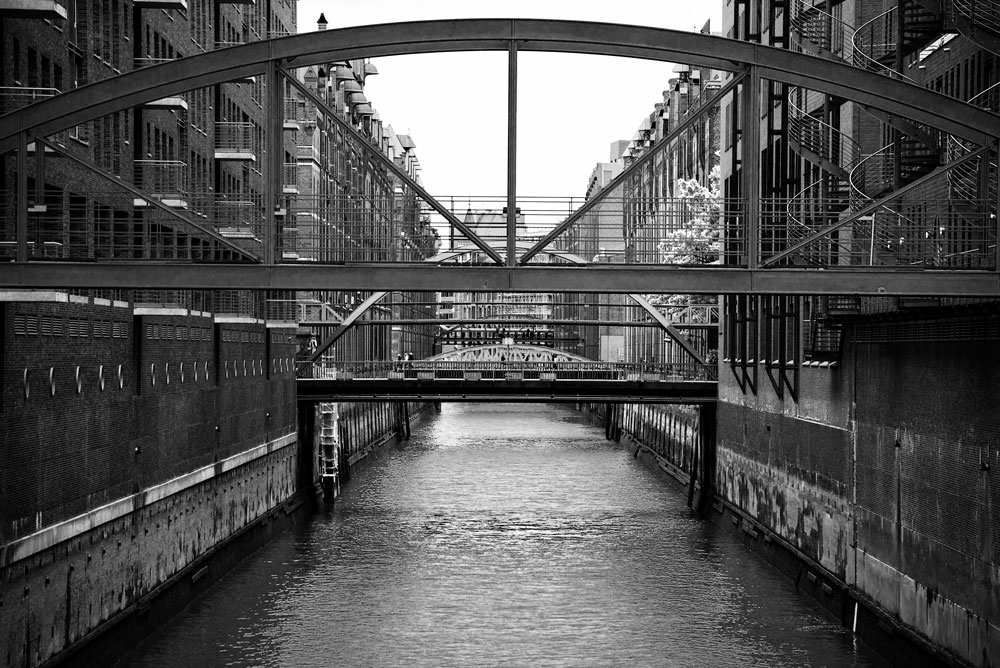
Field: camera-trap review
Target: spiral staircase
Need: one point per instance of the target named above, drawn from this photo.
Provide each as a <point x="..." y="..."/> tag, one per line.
<point x="979" y="20"/>
<point x="850" y="179"/>
<point x="809" y="135"/>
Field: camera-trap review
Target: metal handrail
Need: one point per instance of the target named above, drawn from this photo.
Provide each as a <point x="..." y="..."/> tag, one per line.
<point x="820" y="32"/>
<point x="426" y="370"/>
<point x="875" y="38"/>
<point x="965" y="178"/>
<point x="981" y="13"/>
<point x="13" y="98"/>
<point x="861" y="181"/>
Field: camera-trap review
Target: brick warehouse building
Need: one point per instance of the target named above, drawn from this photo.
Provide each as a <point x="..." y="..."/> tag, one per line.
<point x="150" y="436"/>
<point x="861" y="432"/>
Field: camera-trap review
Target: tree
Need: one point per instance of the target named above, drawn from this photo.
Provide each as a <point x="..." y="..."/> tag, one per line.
<point x="697" y="240"/>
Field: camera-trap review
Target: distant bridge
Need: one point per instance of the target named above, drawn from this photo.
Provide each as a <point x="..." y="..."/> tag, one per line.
<point x="530" y="374"/>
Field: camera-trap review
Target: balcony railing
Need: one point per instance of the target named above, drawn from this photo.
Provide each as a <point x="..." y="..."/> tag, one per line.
<point x="166" y="180"/>
<point x="236" y="141"/>
<point x="13" y="98"/>
<point x="147" y="61"/>
<point x="819" y="32"/>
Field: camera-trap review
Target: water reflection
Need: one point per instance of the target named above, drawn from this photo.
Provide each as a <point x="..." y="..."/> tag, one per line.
<point x="504" y="535"/>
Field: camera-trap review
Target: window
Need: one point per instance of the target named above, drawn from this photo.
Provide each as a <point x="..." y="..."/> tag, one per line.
<point x="32" y="68"/>
<point x="16" y="57"/>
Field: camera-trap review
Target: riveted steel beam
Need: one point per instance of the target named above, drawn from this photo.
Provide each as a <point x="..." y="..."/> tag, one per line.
<point x="134" y="88"/>
<point x="450" y="324"/>
<point x="512" y="154"/>
<point x="645" y="279"/>
<point x="328" y="389"/>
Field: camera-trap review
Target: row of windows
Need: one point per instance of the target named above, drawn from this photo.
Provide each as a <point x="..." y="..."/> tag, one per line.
<point x="176" y="333"/>
<point x="30" y="325"/>
<point x="236" y="336"/>
<point x="33" y="325"/>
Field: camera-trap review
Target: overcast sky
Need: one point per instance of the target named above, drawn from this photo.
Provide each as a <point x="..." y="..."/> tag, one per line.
<point x="570" y="107"/>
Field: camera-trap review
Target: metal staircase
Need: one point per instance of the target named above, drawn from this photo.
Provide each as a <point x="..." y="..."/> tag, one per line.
<point x="812" y="137"/>
<point x="853" y="180"/>
<point x="979" y="20"/>
<point x="877" y="49"/>
<point x="875" y="42"/>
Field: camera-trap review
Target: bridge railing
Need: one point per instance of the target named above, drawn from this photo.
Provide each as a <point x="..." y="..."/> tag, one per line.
<point x="418" y="370"/>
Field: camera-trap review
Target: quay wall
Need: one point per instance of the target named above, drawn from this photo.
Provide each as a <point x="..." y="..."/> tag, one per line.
<point x="145" y="450"/>
<point x="871" y="484"/>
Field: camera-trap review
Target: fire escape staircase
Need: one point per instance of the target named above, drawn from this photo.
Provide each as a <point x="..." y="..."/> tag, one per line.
<point x="966" y="181"/>
<point x="979" y="20"/>
<point x="811" y="135"/>
<point x="876" y="49"/>
<point x="850" y="178"/>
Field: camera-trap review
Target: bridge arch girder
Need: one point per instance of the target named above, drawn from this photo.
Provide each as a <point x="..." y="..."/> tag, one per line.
<point x="509" y="353"/>
<point x="215" y="67"/>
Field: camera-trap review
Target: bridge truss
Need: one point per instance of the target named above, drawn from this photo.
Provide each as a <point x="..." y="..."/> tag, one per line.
<point x="874" y="244"/>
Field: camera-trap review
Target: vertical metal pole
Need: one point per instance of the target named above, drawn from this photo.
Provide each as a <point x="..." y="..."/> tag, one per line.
<point x="512" y="154"/>
<point x="996" y="205"/>
<point x="274" y="110"/>
<point x="39" y="250"/>
<point x="21" y="229"/>
<point x="750" y="158"/>
<point x="897" y="136"/>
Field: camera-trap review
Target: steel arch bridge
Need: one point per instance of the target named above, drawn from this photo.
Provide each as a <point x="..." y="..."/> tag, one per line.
<point x="756" y="264"/>
<point x="508" y="353"/>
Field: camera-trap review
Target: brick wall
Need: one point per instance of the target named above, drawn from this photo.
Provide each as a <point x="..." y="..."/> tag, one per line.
<point x="75" y="448"/>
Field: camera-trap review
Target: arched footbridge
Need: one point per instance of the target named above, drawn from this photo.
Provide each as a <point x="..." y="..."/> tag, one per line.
<point x="247" y="243"/>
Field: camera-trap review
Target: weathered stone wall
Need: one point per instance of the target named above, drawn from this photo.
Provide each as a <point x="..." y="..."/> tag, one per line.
<point x="62" y="588"/>
<point x="880" y="472"/>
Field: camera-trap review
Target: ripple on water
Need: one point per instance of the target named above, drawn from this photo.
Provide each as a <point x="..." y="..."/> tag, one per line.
<point x="504" y="535"/>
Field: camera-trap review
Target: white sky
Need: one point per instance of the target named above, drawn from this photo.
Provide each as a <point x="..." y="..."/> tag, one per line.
<point x="570" y="107"/>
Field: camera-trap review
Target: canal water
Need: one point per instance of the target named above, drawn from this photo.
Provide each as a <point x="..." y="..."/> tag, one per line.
<point x="504" y="535"/>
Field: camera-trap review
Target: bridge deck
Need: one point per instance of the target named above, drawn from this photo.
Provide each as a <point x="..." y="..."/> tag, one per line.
<point x="507" y="387"/>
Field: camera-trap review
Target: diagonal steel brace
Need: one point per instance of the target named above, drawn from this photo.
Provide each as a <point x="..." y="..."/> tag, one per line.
<point x="873" y="206"/>
<point x="394" y="168"/>
<point x="630" y="170"/>
<point x="346" y="324"/>
<point x="152" y="200"/>
<point x="670" y="329"/>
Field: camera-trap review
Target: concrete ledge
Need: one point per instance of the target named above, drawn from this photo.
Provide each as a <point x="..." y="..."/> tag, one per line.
<point x="33" y="296"/>
<point x="23" y="548"/>
<point x="162" y="310"/>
